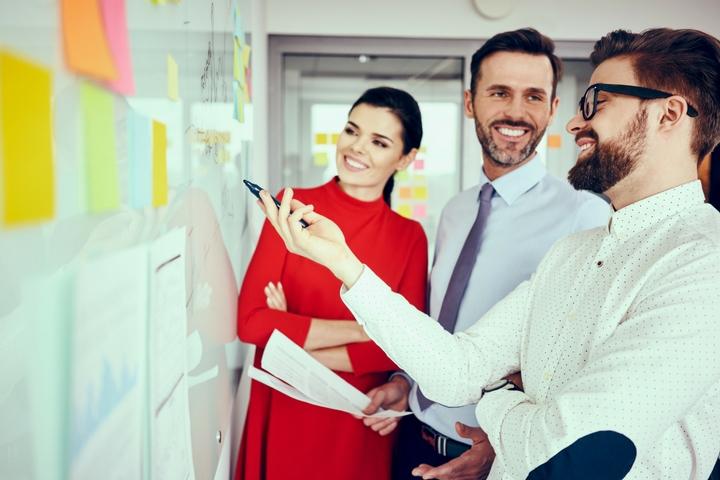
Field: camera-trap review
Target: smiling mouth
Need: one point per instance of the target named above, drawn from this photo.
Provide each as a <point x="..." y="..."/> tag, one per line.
<point x="511" y="133"/>
<point x="354" y="164"/>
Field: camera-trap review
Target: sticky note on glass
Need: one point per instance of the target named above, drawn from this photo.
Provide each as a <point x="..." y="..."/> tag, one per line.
<point x="86" y="45"/>
<point x="335" y="138"/>
<point x="101" y="169"/>
<point x="320" y="159"/>
<point x="172" y="78"/>
<point x="246" y="49"/>
<point x="419" y="211"/>
<point x="139" y="159"/>
<point x="26" y="153"/>
<point x="554" y="141"/>
<point x="114" y="20"/>
<point x="405" y="193"/>
<point x="402" y="176"/>
<point x="404" y="210"/>
<point x="321" y="138"/>
<point x="420" y="193"/>
<point x="159" y="167"/>
<point x="419" y="164"/>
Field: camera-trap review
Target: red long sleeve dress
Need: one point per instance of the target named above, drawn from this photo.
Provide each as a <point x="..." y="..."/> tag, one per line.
<point x="286" y="439"/>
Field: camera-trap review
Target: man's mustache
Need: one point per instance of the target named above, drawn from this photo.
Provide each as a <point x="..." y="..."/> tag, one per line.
<point x="587" y="134"/>
<point x="513" y="123"/>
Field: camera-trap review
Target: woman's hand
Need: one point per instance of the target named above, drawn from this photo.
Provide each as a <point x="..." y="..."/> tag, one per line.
<point x="275" y="297"/>
<point x="322" y="241"/>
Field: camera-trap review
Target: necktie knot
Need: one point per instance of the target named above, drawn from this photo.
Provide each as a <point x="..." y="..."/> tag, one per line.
<point x="486" y="192"/>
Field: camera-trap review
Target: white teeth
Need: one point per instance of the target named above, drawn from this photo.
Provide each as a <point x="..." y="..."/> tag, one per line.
<point x="585" y="146"/>
<point x="355" y="164"/>
<point x="511" y="132"/>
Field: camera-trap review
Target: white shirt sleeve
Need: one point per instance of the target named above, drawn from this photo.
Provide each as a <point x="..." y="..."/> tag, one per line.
<point x="450" y="369"/>
<point x="660" y="362"/>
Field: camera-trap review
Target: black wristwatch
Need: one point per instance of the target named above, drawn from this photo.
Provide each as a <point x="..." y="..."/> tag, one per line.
<point x="503" y="384"/>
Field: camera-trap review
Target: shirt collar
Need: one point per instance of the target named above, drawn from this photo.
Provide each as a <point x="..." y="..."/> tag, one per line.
<point x="650" y="211"/>
<point x="513" y="184"/>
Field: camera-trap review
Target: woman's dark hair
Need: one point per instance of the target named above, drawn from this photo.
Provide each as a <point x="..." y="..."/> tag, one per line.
<point x="405" y="108"/>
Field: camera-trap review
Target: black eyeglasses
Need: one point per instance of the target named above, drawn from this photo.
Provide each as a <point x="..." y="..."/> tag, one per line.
<point x="589" y="101"/>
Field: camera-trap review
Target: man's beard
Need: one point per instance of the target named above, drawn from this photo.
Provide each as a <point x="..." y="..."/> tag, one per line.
<point x="502" y="157"/>
<point x="612" y="160"/>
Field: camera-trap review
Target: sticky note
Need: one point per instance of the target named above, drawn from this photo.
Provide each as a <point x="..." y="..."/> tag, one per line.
<point x="320" y="159"/>
<point x="419" y="211"/>
<point x="159" y="166"/>
<point x="86" y="45"/>
<point x="321" y="138"/>
<point x="238" y="73"/>
<point x="420" y="193"/>
<point x="419" y="164"/>
<point x="402" y="176"/>
<point x="114" y="20"/>
<point x="405" y="193"/>
<point x="139" y="160"/>
<point x="172" y="78"/>
<point x="419" y="179"/>
<point x="404" y="210"/>
<point x="26" y="152"/>
<point x="101" y="168"/>
<point x="246" y="49"/>
<point x="554" y="141"/>
<point x="239" y="103"/>
<point x="422" y="149"/>
<point x="335" y="138"/>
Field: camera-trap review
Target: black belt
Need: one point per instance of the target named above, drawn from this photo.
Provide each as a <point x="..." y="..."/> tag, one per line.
<point x="442" y="444"/>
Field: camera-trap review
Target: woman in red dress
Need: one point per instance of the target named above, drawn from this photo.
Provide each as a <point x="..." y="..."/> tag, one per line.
<point x="287" y="439"/>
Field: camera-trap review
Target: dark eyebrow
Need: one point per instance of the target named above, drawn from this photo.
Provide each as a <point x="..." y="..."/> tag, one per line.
<point x="497" y="86"/>
<point x="374" y="133"/>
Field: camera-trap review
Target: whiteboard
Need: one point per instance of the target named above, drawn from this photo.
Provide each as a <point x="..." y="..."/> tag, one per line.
<point x="47" y="268"/>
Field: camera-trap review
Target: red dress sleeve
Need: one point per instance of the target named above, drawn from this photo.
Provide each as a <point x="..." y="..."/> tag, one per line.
<point x="255" y="320"/>
<point x="367" y="357"/>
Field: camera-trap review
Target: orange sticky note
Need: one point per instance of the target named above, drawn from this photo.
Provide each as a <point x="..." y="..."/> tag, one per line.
<point x="86" y="45"/>
<point x="405" y="193"/>
<point x="404" y="210"/>
<point x="159" y="149"/>
<point x="320" y="138"/>
<point x="28" y="180"/>
<point x="554" y="141"/>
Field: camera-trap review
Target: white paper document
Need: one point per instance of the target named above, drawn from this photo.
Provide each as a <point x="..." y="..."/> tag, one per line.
<point x="307" y="380"/>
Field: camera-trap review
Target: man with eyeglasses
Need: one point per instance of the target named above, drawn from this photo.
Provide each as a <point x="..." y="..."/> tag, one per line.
<point x="617" y="333"/>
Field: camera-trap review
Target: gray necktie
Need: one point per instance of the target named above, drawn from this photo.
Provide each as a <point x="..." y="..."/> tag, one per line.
<point x="461" y="274"/>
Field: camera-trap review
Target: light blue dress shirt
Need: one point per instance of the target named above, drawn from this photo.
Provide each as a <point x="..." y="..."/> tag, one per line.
<point x="530" y="211"/>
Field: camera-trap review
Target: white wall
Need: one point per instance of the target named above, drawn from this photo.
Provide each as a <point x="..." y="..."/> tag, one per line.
<point x="559" y="19"/>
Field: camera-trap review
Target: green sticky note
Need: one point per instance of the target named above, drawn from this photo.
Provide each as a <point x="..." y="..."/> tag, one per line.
<point x="101" y="168"/>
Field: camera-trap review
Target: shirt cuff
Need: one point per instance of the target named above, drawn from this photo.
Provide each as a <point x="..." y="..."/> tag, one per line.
<point x="367" y="286"/>
<point x="491" y="413"/>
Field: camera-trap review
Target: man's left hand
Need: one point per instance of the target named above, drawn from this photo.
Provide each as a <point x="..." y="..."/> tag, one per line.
<point x="471" y="465"/>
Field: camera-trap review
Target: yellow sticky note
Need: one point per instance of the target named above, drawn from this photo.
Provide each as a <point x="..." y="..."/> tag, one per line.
<point x="420" y="193"/>
<point x="419" y="179"/>
<point x="86" y="45"/>
<point x="320" y="138"/>
<point x="26" y="140"/>
<point x="404" y="210"/>
<point x="405" y="193"/>
<point x="320" y="159"/>
<point x="159" y="149"/>
<point x="100" y="154"/>
<point x="554" y="141"/>
<point x="245" y="55"/>
<point x="172" y="78"/>
<point x="335" y="138"/>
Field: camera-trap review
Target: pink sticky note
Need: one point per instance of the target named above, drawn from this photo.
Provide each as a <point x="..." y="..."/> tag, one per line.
<point x="419" y="164"/>
<point x="419" y="211"/>
<point x="114" y="19"/>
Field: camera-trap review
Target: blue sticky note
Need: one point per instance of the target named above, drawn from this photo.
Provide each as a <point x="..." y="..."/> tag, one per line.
<point x="139" y="159"/>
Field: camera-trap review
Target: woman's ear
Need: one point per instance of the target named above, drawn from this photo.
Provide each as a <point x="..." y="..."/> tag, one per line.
<point x="407" y="159"/>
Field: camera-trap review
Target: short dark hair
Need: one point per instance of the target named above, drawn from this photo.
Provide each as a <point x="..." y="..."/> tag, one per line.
<point x="524" y="40"/>
<point x="406" y="109"/>
<point x="682" y="62"/>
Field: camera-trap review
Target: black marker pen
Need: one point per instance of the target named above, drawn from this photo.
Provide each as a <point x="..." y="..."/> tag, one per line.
<point x="255" y="190"/>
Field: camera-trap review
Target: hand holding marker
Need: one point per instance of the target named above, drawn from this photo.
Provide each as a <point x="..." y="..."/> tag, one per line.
<point x="256" y="189"/>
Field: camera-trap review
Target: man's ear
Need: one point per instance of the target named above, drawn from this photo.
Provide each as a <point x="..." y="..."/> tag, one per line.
<point x="554" y="103"/>
<point x="468" y="104"/>
<point x="674" y="111"/>
<point x="407" y="159"/>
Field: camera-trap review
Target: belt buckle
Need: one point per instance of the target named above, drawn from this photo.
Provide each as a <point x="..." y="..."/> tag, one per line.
<point x="439" y="441"/>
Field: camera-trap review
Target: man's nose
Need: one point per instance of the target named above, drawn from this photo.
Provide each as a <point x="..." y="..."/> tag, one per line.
<point x="576" y="124"/>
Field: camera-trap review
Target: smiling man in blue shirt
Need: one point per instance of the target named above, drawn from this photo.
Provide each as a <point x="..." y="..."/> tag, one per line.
<point x="482" y="254"/>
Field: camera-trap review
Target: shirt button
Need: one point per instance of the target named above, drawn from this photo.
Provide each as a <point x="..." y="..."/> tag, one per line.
<point x="599" y="263"/>
<point x="547" y="376"/>
<point x="572" y="316"/>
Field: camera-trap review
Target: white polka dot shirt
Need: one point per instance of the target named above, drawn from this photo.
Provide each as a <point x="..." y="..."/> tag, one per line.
<point x="618" y="330"/>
